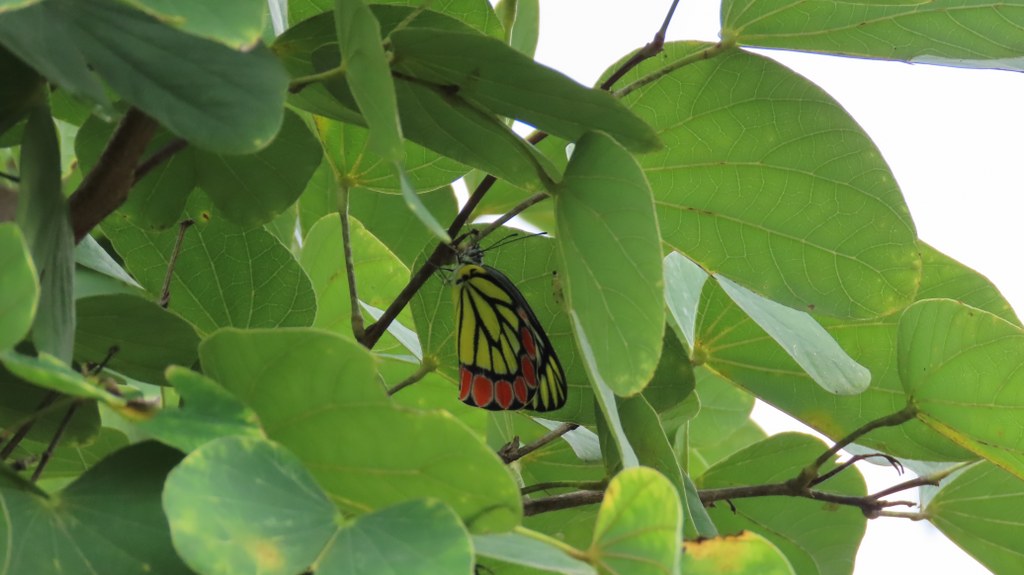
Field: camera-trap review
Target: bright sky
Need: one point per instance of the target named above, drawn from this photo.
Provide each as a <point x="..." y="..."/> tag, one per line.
<point x="952" y="137"/>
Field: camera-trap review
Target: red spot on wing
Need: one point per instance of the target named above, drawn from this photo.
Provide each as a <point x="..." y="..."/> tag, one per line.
<point x="522" y="394"/>
<point x="527" y="338"/>
<point x="503" y="394"/>
<point x="529" y="374"/>
<point x="464" y="380"/>
<point x="483" y="391"/>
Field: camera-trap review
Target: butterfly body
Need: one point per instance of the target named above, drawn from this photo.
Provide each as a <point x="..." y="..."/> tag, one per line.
<point x="505" y="359"/>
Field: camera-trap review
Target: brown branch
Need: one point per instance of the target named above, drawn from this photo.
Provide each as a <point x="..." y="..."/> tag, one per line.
<point x="358" y="324"/>
<point x="512" y="451"/>
<point x="653" y="48"/>
<point x="585" y="485"/>
<point x="426" y="366"/>
<point x="24" y="427"/>
<point x="106" y="186"/>
<point x="53" y="442"/>
<point x="564" y="501"/>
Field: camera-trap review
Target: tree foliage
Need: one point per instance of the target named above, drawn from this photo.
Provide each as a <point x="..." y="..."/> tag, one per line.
<point x="227" y="343"/>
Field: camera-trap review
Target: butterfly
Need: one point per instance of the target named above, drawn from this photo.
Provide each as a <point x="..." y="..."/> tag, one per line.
<point x="505" y="359"/>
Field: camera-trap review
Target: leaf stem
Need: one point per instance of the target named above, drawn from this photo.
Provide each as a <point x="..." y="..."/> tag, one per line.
<point x="552" y="541"/>
<point x="54" y="441"/>
<point x="585" y="485"/>
<point x="300" y="83"/>
<point x="159" y="157"/>
<point x="509" y="453"/>
<point x="46" y="405"/>
<point x="165" y="292"/>
<point x="704" y="54"/>
<point x="426" y="366"/>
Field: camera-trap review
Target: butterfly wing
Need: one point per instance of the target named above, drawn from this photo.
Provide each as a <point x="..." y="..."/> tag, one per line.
<point x="505" y="358"/>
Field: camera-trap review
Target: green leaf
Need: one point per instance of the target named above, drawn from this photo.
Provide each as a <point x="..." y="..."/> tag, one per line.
<point x="475" y="14"/>
<point x="946" y="32"/>
<point x="684" y="281"/>
<point x="225" y="276"/>
<point x="522" y="24"/>
<point x="369" y="75"/>
<point x="250" y="190"/>
<point x="723" y="425"/>
<point x="50" y="372"/>
<point x="804" y="340"/>
<point x="84" y="527"/>
<point x="39" y="35"/>
<point x="237" y="23"/>
<point x="380" y="276"/>
<point x="20" y="285"/>
<point x="645" y="434"/>
<point x="272" y="516"/>
<point x="70" y="460"/>
<point x="385" y="216"/>
<point x="43" y="217"/>
<point x="234" y="100"/>
<point x="19" y="402"/>
<point x="430" y="538"/>
<point x="347" y="151"/>
<point x="673" y="379"/>
<point x="816" y="537"/>
<point x="418" y="209"/>
<point x="773" y="185"/>
<point x="493" y="75"/>
<point x="944" y="343"/>
<point x="607" y="234"/>
<point x="90" y="254"/>
<point x="6" y="5"/>
<point x="397" y="453"/>
<point x="639" y="526"/>
<point x="980" y="511"/>
<point x="148" y="338"/>
<point x="209" y="412"/>
<point x="520" y="549"/>
<point x="732" y="345"/>
<point x="744" y="554"/>
<point x="609" y="424"/>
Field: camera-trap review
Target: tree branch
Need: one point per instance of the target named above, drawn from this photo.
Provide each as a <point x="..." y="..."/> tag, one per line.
<point x="106" y="186"/>
<point x="159" y="157"/>
<point x="653" y="48"/>
<point x="512" y="451"/>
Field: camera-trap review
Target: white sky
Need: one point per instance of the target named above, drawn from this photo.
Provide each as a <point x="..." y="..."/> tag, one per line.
<point x="951" y="137"/>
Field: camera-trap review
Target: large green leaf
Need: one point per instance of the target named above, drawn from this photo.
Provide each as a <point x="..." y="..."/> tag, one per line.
<point x="315" y="391"/>
<point x="476" y="14"/>
<point x="745" y="554"/>
<point x="271" y="517"/>
<point x="816" y="537"/>
<point x="222" y="100"/>
<point x="521" y="549"/>
<point x="769" y="182"/>
<point x="379" y="275"/>
<point x="733" y="346"/>
<point x="947" y="32"/>
<point x="43" y="218"/>
<point x="639" y="527"/>
<point x="148" y="338"/>
<point x="40" y="36"/>
<point x="490" y="73"/>
<point x="944" y="343"/>
<point x="19" y="283"/>
<point x="237" y="23"/>
<point x="368" y="74"/>
<point x="608" y="238"/>
<point x="981" y="512"/>
<point x="431" y="540"/>
<point x="109" y="518"/>
<point x="225" y="275"/>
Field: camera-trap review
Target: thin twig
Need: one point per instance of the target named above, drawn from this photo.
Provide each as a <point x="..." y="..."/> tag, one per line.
<point x="510" y="453"/>
<point x="895" y="463"/>
<point x="653" y="48"/>
<point x="165" y="293"/>
<point x="704" y="54"/>
<point x="518" y="209"/>
<point x="53" y="442"/>
<point x="358" y="324"/>
<point x="585" y="485"/>
<point x="159" y="157"/>
<point x="10" y="177"/>
<point x="930" y="479"/>
<point x="810" y="473"/>
<point x="300" y="83"/>
<point x="26" y="426"/>
<point x="426" y="366"/>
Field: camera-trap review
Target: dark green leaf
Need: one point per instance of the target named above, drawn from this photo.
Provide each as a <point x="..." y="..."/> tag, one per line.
<point x="237" y="23"/>
<point x="489" y="73"/>
<point x="22" y="89"/>
<point x="20" y="285"/>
